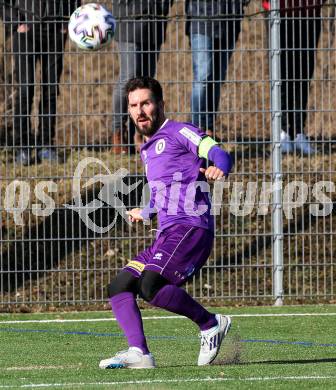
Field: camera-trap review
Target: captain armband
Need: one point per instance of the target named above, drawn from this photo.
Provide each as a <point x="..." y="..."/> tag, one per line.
<point x="205" y="145"/>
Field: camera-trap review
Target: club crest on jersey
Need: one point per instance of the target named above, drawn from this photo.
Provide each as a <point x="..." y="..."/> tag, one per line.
<point x="160" y="146"/>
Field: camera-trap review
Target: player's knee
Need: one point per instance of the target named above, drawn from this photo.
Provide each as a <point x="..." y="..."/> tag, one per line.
<point x="147" y="292"/>
<point x="123" y="282"/>
<point x="150" y="283"/>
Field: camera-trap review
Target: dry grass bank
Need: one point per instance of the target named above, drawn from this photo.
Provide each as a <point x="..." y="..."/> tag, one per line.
<point x="56" y="259"/>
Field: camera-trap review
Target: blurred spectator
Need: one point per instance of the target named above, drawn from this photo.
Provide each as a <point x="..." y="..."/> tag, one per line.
<point x="140" y="34"/>
<point x="39" y="31"/>
<point x="300" y="28"/>
<point x="213" y="27"/>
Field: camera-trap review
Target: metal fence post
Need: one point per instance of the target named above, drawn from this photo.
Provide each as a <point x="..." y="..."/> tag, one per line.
<point x="277" y="222"/>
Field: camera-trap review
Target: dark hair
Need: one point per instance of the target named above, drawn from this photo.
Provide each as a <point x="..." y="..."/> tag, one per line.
<point x="144" y="83"/>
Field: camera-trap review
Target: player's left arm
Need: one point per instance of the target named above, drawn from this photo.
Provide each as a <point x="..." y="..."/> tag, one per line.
<point x="203" y="146"/>
<point x="209" y="149"/>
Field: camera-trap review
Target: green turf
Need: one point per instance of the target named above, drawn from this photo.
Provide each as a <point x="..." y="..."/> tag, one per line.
<point x="43" y="353"/>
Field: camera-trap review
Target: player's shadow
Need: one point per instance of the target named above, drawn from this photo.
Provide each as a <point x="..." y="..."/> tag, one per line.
<point x="259" y="362"/>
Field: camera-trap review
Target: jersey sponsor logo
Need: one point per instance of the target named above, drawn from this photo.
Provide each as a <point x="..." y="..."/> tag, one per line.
<point x="191" y="136"/>
<point x="160" y="146"/>
<point x="136" y="265"/>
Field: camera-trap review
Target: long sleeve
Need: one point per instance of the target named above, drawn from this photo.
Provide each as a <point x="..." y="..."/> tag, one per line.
<point x="221" y="159"/>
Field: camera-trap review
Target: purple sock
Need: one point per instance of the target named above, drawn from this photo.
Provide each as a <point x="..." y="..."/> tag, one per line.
<point x="128" y="315"/>
<point x="176" y="300"/>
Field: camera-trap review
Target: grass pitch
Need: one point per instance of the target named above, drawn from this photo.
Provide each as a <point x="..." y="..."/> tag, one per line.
<point x="278" y="348"/>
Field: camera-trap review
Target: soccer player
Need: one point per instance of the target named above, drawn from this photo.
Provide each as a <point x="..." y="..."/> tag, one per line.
<point x="174" y="155"/>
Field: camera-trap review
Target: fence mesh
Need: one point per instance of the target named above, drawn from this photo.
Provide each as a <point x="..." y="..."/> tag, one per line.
<point x="51" y="255"/>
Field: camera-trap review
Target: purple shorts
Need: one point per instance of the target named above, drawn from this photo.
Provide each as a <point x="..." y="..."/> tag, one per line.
<point x="177" y="253"/>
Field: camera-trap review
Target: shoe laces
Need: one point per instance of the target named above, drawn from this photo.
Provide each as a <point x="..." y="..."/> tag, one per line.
<point x="121" y="353"/>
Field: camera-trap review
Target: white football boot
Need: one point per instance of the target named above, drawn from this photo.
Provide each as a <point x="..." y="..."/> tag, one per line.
<point x="303" y="145"/>
<point x="212" y="338"/>
<point x="132" y="357"/>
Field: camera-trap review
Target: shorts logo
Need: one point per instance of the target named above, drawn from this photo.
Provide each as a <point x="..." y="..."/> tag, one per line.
<point x="160" y="146"/>
<point x="157" y="256"/>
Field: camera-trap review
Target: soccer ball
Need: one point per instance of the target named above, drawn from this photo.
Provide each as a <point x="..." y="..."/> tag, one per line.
<point x="91" y="26"/>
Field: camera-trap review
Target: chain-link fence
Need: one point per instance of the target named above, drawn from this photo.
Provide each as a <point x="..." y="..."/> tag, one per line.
<point x="257" y="76"/>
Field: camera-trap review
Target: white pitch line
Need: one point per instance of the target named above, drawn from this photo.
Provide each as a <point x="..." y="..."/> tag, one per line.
<point x="164" y="318"/>
<point x="81" y="320"/>
<point x="283" y="315"/>
<point x="163" y="381"/>
<point x="31" y="368"/>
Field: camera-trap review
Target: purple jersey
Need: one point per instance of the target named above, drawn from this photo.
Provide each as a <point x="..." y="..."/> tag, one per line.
<point x="179" y="191"/>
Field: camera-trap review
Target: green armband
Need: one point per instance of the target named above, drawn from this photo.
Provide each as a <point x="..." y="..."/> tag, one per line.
<point x="205" y="145"/>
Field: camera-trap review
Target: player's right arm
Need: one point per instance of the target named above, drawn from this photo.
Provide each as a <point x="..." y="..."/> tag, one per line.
<point x="134" y="215"/>
<point x="142" y="214"/>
